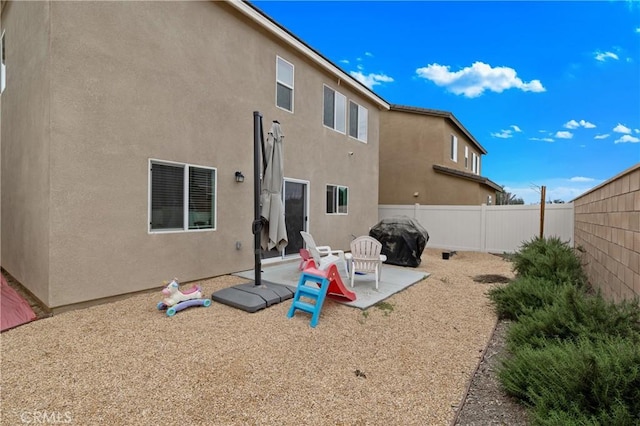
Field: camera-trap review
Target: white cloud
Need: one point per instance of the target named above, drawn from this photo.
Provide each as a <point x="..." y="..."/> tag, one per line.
<point x="606" y="135"/>
<point x="627" y="139"/>
<point x="603" y="56"/>
<point x="503" y="134"/>
<point x="371" y="79"/>
<point x="636" y="130"/>
<point x="508" y="133"/>
<point x="474" y="80"/>
<point x="573" y="124"/>
<point x="564" y="135"/>
<point x="638" y="30"/>
<point x="620" y="128"/>
<point x="541" y="139"/>
<point x="581" y="179"/>
<point x="369" y="54"/>
<point x="344" y="61"/>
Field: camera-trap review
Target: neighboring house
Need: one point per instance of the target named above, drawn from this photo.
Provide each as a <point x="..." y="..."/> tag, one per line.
<point x="428" y="157"/>
<point x="123" y="127"/>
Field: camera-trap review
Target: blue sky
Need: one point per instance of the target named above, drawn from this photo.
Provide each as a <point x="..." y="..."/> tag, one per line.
<point x="550" y="89"/>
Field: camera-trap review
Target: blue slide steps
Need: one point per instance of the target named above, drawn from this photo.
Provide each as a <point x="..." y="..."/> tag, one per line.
<point x="309" y="292"/>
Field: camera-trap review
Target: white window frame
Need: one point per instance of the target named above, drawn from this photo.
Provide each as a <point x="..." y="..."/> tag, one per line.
<point x="288" y="85"/>
<point x="466" y="157"/>
<point x="339" y="117"/>
<point x="477" y="164"/>
<point x="474" y="163"/>
<point x="3" y="66"/>
<point x="336" y="201"/>
<point x="454" y="148"/>
<point x="185" y="227"/>
<point x="362" y="126"/>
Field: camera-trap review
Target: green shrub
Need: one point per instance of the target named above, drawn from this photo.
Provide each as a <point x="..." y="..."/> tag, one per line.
<point x="618" y="415"/>
<point x="549" y="258"/>
<point x="523" y="296"/>
<point x="589" y="381"/>
<point x="575" y="314"/>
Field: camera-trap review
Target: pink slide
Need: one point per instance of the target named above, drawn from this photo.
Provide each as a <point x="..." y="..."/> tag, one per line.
<point x="14" y="310"/>
<point x="337" y="290"/>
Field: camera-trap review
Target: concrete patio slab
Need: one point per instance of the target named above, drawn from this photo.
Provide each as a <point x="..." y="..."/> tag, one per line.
<point x="393" y="280"/>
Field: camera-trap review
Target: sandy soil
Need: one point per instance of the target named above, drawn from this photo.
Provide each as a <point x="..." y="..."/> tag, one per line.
<point x="408" y="361"/>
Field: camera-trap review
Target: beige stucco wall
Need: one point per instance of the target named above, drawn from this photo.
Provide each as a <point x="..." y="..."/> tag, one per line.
<point x="178" y="81"/>
<point x="25" y="145"/>
<point x="607" y="228"/>
<point x="410" y="144"/>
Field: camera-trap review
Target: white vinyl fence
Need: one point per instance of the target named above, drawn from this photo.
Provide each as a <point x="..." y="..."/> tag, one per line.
<point x="493" y="229"/>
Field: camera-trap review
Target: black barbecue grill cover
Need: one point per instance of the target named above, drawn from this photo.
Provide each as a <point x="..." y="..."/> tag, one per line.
<point x="403" y="240"/>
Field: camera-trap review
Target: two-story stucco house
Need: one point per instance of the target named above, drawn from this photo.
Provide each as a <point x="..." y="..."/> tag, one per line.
<point x="123" y="126"/>
<point x="428" y="157"/>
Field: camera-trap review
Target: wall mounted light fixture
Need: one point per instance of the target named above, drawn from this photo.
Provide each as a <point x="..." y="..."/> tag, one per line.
<point x="239" y="177"/>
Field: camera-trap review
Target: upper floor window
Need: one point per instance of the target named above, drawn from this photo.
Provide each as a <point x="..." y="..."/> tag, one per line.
<point x="475" y="163"/>
<point x="182" y="197"/>
<point x="284" y="84"/>
<point x="3" y="67"/>
<point x="334" y="110"/>
<point x="454" y="148"/>
<point x="358" y="121"/>
<point x="466" y="157"/>
<point x="337" y="199"/>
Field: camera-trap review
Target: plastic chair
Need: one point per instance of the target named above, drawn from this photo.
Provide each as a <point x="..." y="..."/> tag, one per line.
<point x="323" y="256"/>
<point x="365" y="257"/>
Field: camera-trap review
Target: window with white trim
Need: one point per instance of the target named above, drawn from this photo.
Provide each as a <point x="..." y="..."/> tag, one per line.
<point x="334" y="110"/>
<point x="182" y="197"/>
<point x="466" y="157"/>
<point x="3" y="67"/>
<point x="284" y="84"/>
<point x="477" y="164"/>
<point x="337" y="199"/>
<point x="474" y="163"/>
<point x="454" y="148"/>
<point x="358" y="121"/>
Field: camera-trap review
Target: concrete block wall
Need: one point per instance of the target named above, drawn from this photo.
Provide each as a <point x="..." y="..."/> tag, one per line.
<point x="607" y="231"/>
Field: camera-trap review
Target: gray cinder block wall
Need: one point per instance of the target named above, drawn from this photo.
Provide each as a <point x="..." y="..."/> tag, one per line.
<point x="607" y="230"/>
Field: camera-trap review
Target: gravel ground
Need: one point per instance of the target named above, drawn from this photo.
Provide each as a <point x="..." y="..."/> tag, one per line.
<point x="485" y="403"/>
<point x="408" y="361"/>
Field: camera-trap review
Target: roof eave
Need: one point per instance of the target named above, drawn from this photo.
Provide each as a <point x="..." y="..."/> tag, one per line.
<point x="464" y="175"/>
<point x="283" y="34"/>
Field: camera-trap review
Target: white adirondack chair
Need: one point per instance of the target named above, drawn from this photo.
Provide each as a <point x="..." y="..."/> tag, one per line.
<point x="365" y="257"/>
<point x="323" y="256"/>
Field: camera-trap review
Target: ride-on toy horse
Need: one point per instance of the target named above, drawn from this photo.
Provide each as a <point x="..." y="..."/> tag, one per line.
<point x="177" y="300"/>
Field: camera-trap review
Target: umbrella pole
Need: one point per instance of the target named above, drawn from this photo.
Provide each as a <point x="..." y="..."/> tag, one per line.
<point x="257" y="223"/>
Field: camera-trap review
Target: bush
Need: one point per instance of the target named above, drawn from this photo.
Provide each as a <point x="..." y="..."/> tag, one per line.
<point x="549" y="258"/>
<point x="618" y="415"/>
<point x="575" y="314"/>
<point x="577" y="382"/>
<point x="523" y="296"/>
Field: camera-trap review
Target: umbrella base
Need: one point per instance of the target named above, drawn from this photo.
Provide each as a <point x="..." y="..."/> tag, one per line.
<point x="250" y="297"/>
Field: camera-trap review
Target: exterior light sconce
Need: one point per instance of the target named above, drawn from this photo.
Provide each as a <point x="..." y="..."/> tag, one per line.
<point x="239" y="177"/>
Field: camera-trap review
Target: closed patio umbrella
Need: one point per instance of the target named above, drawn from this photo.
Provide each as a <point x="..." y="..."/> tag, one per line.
<point x="268" y="226"/>
<point x="274" y="234"/>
